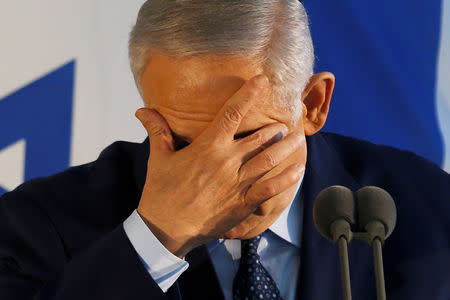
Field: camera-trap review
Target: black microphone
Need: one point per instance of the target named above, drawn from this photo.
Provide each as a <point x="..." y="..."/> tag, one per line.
<point x="377" y="216"/>
<point x="334" y="215"/>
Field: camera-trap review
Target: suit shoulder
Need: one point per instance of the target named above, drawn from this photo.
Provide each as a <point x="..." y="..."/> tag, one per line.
<point x="362" y="157"/>
<point x="108" y="177"/>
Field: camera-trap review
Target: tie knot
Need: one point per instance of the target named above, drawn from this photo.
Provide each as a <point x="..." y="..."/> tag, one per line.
<point x="250" y="246"/>
<point x="253" y="281"/>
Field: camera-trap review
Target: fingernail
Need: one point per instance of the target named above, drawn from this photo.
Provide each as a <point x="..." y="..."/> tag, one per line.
<point x="281" y="134"/>
<point x="261" y="81"/>
<point x="278" y="137"/>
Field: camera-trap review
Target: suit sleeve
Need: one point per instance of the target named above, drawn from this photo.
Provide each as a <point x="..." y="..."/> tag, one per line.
<point x="35" y="262"/>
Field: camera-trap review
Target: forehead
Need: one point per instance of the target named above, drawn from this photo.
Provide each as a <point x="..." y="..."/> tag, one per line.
<point x="189" y="92"/>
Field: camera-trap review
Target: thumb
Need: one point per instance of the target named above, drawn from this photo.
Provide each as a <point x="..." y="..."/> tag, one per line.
<point x="157" y="128"/>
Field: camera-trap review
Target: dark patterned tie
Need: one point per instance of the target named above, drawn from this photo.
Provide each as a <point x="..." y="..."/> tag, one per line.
<point x="252" y="281"/>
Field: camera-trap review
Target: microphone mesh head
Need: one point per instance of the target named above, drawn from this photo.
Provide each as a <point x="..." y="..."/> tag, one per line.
<point x="374" y="203"/>
<point x="333" y="203"/>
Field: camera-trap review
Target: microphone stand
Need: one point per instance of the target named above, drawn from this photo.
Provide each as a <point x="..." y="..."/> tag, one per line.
<point x="342" y="235"/>
<point x="345" y="270"/>
<point x="379" y="272"/>
<point x="375" y="236"/>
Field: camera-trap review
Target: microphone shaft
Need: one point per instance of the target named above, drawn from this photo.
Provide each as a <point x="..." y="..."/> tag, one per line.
<point x="345" y="270"/>
<point x="379" y="272"/>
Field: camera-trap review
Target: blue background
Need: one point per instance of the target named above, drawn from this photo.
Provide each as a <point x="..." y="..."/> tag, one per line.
<point x="384" y="55"/>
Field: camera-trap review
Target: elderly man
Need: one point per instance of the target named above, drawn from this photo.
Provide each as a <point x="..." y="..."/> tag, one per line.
<point x="229" y="97"/>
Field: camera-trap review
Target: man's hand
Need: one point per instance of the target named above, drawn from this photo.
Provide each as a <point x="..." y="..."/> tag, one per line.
<point x="200" y="192"/>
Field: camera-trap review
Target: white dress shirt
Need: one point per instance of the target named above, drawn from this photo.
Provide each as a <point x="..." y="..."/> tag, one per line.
<point x="279" y="251"/>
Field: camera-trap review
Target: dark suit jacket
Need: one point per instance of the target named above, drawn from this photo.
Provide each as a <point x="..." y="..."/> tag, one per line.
<point x="61" y="237"/>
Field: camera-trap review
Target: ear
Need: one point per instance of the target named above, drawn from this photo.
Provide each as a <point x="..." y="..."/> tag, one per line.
<point x="316" y="101"/>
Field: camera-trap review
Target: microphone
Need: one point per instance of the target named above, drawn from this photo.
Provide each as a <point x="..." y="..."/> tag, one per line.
<point x="334" y="215"/>
<point x="377" y="216"/>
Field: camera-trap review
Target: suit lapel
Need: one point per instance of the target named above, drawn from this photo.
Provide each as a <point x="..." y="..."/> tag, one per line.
<point x="319" y="272"/>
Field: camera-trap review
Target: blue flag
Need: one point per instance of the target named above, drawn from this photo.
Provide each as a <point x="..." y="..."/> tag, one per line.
<point x="385" y="58"/>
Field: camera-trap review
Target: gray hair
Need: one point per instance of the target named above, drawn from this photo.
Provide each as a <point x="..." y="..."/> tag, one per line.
<point x="275" y="32"/>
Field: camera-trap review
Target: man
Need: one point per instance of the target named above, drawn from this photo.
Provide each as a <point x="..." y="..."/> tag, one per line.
<point x="227" y="173"/>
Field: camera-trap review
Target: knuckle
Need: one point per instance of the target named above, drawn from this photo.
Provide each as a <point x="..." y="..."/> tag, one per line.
<point x="258" y="138"/>
<point x="155" y="129"/>
<point x="293" y="177"/>
<point x="264" y="210"/>
<point x="269" y="160"/>
<point x="228" y="163"/>
<point x="253" y="91"/>
<point x="268" y="190"/>
<point x="232" y="114"/>
<point x="214" y="145"/>
<point x="151" y="127"/>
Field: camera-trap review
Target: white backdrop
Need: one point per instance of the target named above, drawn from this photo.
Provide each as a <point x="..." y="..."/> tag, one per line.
<point x="39" y="36"/>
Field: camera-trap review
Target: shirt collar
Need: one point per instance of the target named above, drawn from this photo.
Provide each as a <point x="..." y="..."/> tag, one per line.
<point x="288" y="226"/>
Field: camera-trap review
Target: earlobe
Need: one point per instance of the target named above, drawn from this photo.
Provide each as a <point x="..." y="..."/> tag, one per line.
<point x="316" y="101"/>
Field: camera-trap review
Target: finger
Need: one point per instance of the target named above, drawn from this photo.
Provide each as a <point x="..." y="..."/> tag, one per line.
<point x="263" y="191"/>
<point x="271" y="157"/>
<point x="227" y="121"/>
<point x="260" y="140"/>
<point x="158" y="130"/>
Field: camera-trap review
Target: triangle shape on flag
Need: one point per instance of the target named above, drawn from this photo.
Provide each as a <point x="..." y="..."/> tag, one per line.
<point x="12" y="162"/>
